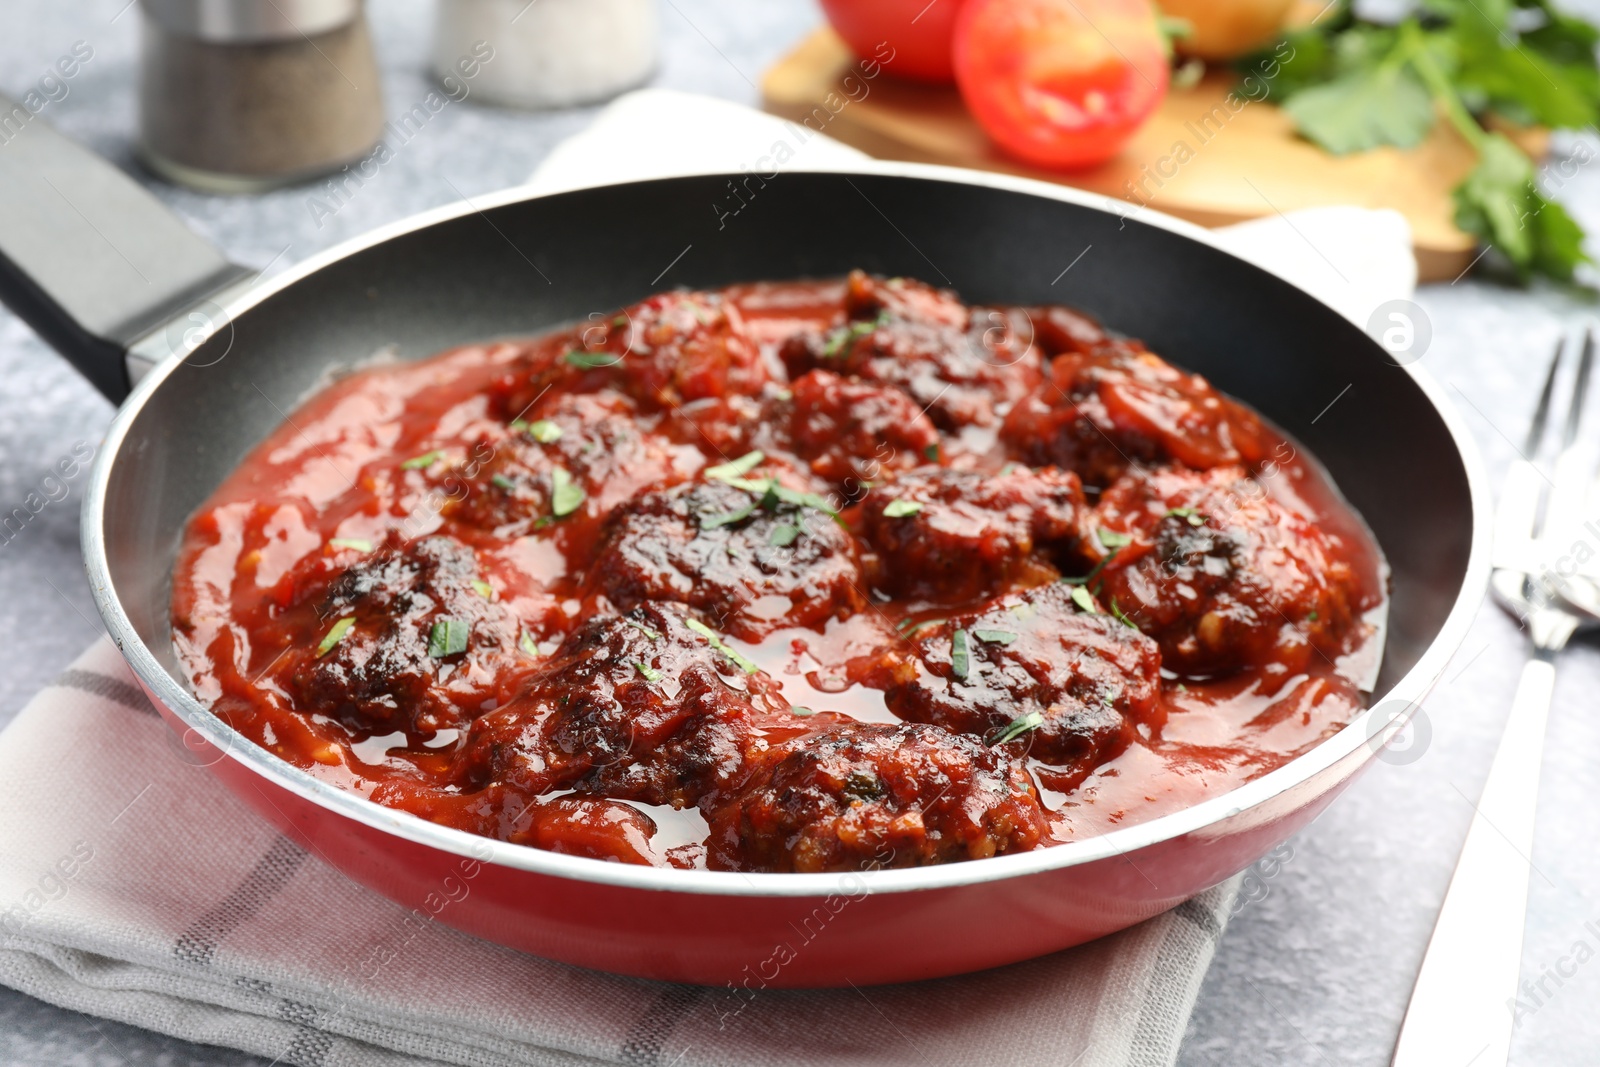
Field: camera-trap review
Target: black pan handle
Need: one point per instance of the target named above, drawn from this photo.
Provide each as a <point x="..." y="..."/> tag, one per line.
<point x="88" y="258"/>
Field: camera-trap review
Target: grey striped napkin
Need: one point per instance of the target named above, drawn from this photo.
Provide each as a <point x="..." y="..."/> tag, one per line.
<point x="134" y="887"/>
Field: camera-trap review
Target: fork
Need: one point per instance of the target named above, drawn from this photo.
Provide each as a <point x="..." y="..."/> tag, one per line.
<point x="1462" y="1007"/>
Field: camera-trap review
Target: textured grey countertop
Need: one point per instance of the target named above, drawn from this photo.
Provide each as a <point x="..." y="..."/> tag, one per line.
<point x="1316" y="971"/>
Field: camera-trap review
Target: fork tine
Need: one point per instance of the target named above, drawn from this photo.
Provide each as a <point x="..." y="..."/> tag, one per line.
<point x="1516" y="516"/>
<point x="1563" y="516"/>
<point x="1541" y="414"/>
<point x="1580" y="389"/>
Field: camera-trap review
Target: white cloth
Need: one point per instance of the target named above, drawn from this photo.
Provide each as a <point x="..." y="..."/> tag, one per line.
<point x="134" y="887"/>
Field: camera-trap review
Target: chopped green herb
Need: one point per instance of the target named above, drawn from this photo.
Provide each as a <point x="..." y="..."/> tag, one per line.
<point x="899" y="509"/>
<point x="785" y="535"/>
<point x="771" y="493"/>
<point x="566" y="495"/>
<point x="1189" y="515"/>
<point x="737" y="468"/>
<point x="542" y="430"/>
<point x="721" y="646"/>
<point x="783" y="394"/>
<point x="1311" y="616"/>
<point x="649" y="672"/>
<point x="849" y="335"/>
<point x="1081" y="597"/>
<point x="620" y="321"/>
<point x="1010" y="468"/>
<point x="1116" y="609"/>
<point x="1019" y="726"/>
<point x="483" y="588"/>
<point x="500" y="481"/>
<point x="911" y="629"/>
<point x="335" y="635"/>
<point x="529" y="645"/>
<point x="802" y="711"/>
<point x="728" y="518"/>
<point x="448" y="637"/>
<point x="359" y="544"/>
<point x="417" y="463"/>
<point x="1023" y="611"/>
<point x="995" y="637"/>
<point x="642" y="628"/>
<point x="960" y="658"/>
<point x="592" y="360"/>
<point x="931" y="453"/>
<point x="1113" y="539"/>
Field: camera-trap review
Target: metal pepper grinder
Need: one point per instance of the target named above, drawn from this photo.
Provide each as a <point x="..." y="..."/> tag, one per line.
<point x="242" y="96"/>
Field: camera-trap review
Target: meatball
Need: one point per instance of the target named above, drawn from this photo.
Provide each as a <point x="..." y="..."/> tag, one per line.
<point x="1116" y="405"/>
<point x="957" y="535"/>
<point x="1222" y="574"/>
<point x="668" y="350"/>
<point x="410" y="637"/>
<point x="641" y="706"/>
<point x="964" y="368"/>
<point x="854" y="796"/>
<point x="851" y="432"/>
<point x="1034" y="670"/>
<point x="753" y="553"/>
<point x="573" y="454"/>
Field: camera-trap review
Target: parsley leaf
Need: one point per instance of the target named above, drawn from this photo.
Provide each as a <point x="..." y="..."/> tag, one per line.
<point x="960" y="655"/>
<point x="737" y="468"/>
<point x="899" y="509"/>
<point x="720" y="645"/>
<point x="1365" y="109"/>
<point x="542" y="430"/>
<point x="566" y="495"/>
<point x="1019" y="726"/>
<point x="447" y="638"/>
<point x="592" y="360"/>
<point x="335" y="635"/>
<point x="422" y="462"/>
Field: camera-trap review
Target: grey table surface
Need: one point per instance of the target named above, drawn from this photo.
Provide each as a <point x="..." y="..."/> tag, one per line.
<point x="1316" y="972"/>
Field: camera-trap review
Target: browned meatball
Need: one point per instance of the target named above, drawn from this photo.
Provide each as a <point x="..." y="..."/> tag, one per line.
<point x="1036" y="670"/>
<point x="1222" y="574"/>
<point x="665" y="351"/>
<point x="956" y="535"/>
<point x="1116" y="405"/>
<point x="962" y="367"/>
<point x="572" y="457"/>
<point x="855" y="796"/>
<point x="406" y="638"/>
<point x="640" y="706"/>
<point x="752" y="553"/>
<point x="853" y="432"/>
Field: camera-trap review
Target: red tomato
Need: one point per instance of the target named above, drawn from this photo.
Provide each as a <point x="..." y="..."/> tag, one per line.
<point x="917" y="31"/>
<point x="1060" y="83"/>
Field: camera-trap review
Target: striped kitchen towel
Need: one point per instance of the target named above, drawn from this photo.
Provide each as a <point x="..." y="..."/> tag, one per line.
<point x="134" y="887"/>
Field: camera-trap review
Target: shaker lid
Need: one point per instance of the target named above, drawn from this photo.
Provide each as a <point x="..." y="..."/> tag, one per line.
<point x="242" y="21"/>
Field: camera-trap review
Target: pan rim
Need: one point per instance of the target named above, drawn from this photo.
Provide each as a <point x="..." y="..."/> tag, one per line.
<point x="1252" y="795"/>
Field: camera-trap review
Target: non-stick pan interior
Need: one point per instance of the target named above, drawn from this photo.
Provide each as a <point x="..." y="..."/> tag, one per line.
<point x="522" y="267"/>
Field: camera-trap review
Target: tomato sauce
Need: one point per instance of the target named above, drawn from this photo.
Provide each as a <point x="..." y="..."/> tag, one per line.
<point x="786" y="577"/>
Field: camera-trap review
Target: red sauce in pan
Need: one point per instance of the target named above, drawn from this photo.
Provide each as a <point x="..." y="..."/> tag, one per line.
<point x="798" y="576"/>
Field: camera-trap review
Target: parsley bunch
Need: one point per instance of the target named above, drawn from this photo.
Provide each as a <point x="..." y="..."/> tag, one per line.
<point x="1355" y="84"/>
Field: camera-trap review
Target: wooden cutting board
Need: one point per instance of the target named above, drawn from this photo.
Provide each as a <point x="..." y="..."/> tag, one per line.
<point x="1230" y="167"/>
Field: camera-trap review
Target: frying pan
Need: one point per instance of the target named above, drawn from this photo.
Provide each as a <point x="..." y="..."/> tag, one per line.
<point x="100" y="270"/>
